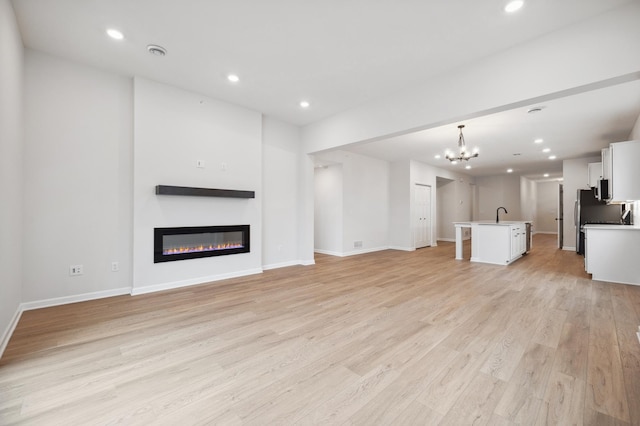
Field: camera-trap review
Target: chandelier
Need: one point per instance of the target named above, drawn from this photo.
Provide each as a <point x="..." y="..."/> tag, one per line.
<point x="463" y="154"/>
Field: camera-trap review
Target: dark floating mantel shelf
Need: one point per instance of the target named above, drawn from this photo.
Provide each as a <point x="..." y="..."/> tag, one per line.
<point x="203" y="192"/>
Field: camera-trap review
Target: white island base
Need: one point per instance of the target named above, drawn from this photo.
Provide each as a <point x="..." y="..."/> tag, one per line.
<point x="497" y="243"/>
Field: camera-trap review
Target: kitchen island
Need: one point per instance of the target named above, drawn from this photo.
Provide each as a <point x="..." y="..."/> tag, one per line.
<point x="611" y="253"/>
<point x="499" y="243"/>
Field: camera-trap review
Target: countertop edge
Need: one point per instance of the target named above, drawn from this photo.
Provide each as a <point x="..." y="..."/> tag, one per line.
<point x="613" y="227"/>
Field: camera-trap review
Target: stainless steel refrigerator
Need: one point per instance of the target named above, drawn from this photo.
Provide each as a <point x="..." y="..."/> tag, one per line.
<point x="589" y="210"/>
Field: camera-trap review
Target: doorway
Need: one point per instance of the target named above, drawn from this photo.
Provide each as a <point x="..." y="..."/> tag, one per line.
<point x="422" y="215"/>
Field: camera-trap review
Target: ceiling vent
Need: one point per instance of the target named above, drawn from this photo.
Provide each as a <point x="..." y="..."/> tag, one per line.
<point x="156" y="50"/>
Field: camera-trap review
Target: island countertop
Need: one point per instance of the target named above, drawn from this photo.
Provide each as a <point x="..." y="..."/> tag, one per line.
<point x="612" y="227"/>
<point x="491" y="222"/>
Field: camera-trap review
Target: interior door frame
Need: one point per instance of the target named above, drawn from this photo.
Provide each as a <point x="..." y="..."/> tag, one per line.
<point x="560" y="216"/>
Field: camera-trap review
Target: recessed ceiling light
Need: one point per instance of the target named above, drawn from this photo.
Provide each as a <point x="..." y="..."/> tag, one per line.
<point x="115" y="34"/>
<point x="546" y="150"/>
<point x="546" y="175"/>
<point x="539" y="140"/>
<point x="467" y="167"/>
<point x="156" y="50"/>
<point x="514" y="5"/>
<point x="233" y="78"/>
<point x="509" y="170"/>
<point x="454" y="162"/>
<point x="552" y="157"/>
<point x="437" y="156"/>
<point x="304" y="104"/>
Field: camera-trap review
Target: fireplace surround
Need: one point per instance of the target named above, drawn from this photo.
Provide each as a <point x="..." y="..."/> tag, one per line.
<point x="194" y="242"/>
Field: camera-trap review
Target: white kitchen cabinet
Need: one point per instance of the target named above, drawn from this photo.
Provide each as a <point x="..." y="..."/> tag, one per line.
<point x="518" y="240"/>
<point x="595" y="174"/>
<point x="498" y="243"/>
<point x="624" y="184"/>
<point x="612" y="253"/>
<point x="606" y="163"/>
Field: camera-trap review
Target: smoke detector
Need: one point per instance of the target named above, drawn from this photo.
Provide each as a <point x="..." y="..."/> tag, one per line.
<point x="156" y="50"/>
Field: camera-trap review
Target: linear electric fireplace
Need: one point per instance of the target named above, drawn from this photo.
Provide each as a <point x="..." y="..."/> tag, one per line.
<point x="199" y="241"/>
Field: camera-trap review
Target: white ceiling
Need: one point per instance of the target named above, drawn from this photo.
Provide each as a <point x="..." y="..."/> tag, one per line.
<point x="339" y="54"/>
<point x="571" y="127"/>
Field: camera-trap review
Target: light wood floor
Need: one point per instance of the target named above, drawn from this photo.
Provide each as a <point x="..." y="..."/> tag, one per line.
<point x="387" y="338"/>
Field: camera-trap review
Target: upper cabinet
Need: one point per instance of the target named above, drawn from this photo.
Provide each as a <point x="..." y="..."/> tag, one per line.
<point x="595" y="174"/>
<point x="621" y="168"/>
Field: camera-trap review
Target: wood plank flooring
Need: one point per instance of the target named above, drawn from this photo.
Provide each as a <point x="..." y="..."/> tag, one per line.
<point x="386" y="338"/>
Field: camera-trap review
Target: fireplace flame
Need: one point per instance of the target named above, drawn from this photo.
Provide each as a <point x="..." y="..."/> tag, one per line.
<point x="201" y="248"/>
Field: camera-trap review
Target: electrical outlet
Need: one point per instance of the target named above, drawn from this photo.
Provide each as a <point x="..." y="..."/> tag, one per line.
<point x="223" y="167"/>
<point x="357" y="244"/>
<point x="115" y="266"/>
<point x="75" y="270"/>
<point x="200" y="164"/>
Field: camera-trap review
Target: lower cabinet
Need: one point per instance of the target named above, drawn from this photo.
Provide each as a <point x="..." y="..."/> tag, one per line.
<point x="518" y="241"/>
<point x="498" y="243"/>
<point x="612" y="253"/>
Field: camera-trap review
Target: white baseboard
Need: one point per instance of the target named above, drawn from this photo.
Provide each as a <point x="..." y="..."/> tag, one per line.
<point x="449" y="240"/>
<point x="328" y="252"/>
<point x="364" y="251"/>
<point x="568" y="248"/>
<point x="289" y="263"/>
<point x="195" y="281"/>
<point x="280" y="265"/>
<point x="6" y="336"/>
<point x="56" y="301"/>
<point x="402" y="248"/>
<point x="545" y="232"/>
<point x="351" y="253"/>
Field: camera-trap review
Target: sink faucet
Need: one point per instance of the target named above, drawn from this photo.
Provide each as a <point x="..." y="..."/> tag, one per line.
<point x="498" y="211"/>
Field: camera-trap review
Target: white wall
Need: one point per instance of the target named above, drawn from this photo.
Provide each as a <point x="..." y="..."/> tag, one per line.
<point x="445" y="197"/>
<point x="547" y="207"/>
<point x="173" y="130"/>
<point x="400" y="206"/>
<point x="77" y="189"/>
<point x="575" y="173"/>
<point x="306" y="177"/>
<point x="365" y="202"/>
<point x="528" y="197"/>
<point x="11" y="169"/>
<point x="280" y="200"/>
<point x="329" y="214"/>
<point x="499" y="191"/>
<point x="635" y="132"/>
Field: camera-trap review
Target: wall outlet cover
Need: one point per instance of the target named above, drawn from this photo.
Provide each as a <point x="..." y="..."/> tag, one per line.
<point x="75" y="270"/>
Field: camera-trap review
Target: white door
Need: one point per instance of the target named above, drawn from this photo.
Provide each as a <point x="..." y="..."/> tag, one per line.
<point x="422" y="216"/>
